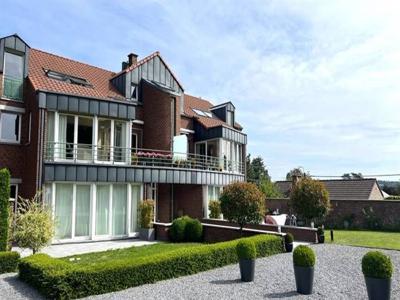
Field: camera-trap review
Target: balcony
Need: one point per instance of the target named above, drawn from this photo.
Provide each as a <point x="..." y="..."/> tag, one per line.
<point x="13" y="88"/>
<point x="148" y="158"/>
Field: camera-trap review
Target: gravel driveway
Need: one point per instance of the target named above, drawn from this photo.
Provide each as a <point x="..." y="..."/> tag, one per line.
<point x="338" y="276"/>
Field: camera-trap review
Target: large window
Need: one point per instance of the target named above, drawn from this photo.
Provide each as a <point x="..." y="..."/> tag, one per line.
<point x="104" y="140"/>
<point x="213" y="193"/>
<point x="84" y="211"/>
<point x="13" y="76"/>
<point x="10" y="127"/>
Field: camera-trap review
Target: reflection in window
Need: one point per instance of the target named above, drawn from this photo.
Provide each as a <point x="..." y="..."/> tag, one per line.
<point x="13" y="76"/>
<point x="9" y="127"/>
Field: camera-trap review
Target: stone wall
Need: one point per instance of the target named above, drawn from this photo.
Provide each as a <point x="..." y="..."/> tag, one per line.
<point x="362" y="214"/>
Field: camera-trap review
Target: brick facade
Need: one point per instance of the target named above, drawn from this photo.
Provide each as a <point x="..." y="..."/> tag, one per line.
<point x="188" y="200"/>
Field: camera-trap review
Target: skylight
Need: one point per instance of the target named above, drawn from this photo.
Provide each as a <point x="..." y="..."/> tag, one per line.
<point x="67" y="78"/>
<point x="202" y="113"/>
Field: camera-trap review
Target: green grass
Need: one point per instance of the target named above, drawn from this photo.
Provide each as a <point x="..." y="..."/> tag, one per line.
<point x="90" y="259"/>
<point x="373" y="239"/>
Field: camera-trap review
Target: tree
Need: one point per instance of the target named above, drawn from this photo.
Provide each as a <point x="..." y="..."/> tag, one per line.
<point x="310" y="199"/>
<point x="4" y="209"/>
<point x="256" y="169"/>
<point x="269" y="189"/>
<point x="242" y="203"/>
<point x="350" y="176"/>
<point x="34" y="224"/>
<point x="299" y="172"/>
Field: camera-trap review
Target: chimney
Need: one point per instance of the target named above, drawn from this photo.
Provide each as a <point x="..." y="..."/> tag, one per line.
<point x="132" y="59"/>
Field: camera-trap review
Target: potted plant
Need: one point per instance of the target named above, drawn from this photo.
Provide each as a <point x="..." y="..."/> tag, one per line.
<point x="321" y="235"/>
<point x="246" y="252"/>
<point x="377" y="269"/>
<point x="215" y="209"/>
<point x="146" y="231"/>
<point x="289" y="242"/>
<point x="303" y="262"/>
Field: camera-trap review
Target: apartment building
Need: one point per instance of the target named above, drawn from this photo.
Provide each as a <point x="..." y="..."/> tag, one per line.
<point x="97" y="142"/>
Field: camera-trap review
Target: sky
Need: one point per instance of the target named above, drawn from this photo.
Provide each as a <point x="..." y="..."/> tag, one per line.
<point x="315" y="83"/>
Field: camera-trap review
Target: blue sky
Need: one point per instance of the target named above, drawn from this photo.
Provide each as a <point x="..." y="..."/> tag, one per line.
<point x="315" y="83"/>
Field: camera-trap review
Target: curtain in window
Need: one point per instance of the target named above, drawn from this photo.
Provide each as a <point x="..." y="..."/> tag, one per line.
<point x="135" y="198"/>
<point x="50" y="135"/>
<point x="104" y="140"/>
<point x="120" y="141"/>
<point x="63" y="210"/>
<point x="119" y="207"/>
<point x="82" y="210"/>
<point x="62" y="136"/>
<point x="102" y="209"/>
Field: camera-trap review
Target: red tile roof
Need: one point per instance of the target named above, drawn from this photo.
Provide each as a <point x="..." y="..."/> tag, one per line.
<point x="205" y="105"/>
<point x="97" y="77"/>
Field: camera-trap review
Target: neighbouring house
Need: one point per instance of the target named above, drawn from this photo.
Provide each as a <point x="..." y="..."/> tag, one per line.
<point x="344" y="189"/>
<point x="97" y="142"/>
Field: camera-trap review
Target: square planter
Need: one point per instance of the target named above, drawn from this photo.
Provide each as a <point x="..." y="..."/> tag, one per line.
<point x="146" y="234"/>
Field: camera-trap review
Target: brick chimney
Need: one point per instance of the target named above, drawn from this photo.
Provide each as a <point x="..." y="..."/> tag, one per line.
<point x="132" y="59"/>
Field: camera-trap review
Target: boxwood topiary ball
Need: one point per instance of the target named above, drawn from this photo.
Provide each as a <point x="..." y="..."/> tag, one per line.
<point x="193" y="230"/>
<point x="246" y="249"/>
<point x="289" y="238"/>
<point x="177" y="230"/>
<point x="375" y="264"/>
<point x="303" y="256"/>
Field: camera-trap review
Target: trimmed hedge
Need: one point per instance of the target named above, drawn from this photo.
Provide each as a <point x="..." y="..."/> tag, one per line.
<point x="4" y="209"/>
<point x="375" y="264"/>
<point x="59" y="279"/>
<point x="8" y="261"/>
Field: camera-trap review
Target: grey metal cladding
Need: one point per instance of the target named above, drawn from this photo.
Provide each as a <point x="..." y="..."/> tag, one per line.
<point x="10" y="42"/>
<point x="156" y="69"/>
<point x="147" y="175"/>
<point x="19" y="45"/>
<point x="122" y="111"/>
<point x="48" y="173"/>
<point x="130" y="175"/>
<point x="112" y="174"/>
<point x="113" y="110"/>
<point x="83" y="106"/>
<point x="102" y="174"/>
<point x="1" y="54"/>
<point x="103" y="108"/>
<point x="81" y="173"/>
<point x="121" y="175"/>
<point x="154" y="175"/>
<point x="144" y="71"/>
<point x="70" y="174"/>
<point x="73" y="105"/>
<point x="139" y="175"/>
<point x="94" y="107"/>
<point x="92" y="174"/>
<point x="150" y="69"/>
<point x="59" y="173"/>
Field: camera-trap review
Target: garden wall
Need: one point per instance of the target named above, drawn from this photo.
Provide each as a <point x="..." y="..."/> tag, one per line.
<point x="220" y="230"/>
<point x="362" y="214"/>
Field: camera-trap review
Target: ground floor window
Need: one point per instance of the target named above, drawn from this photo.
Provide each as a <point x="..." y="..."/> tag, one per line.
<point x="213" y="193"/>
<point x="91" y="211"/>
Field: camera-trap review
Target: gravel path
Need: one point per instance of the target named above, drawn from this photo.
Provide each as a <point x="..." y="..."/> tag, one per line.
<point x="338" y="276"/>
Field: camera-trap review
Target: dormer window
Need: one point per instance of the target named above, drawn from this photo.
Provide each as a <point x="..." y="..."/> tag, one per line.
<point x="67" y="78"/>
<point x="230" y="119"/>
<point x="13" y="76"/>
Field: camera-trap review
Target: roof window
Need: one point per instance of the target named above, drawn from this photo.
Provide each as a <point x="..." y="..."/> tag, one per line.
<point x="202" y="113"/>
<point x="67" y="78"/>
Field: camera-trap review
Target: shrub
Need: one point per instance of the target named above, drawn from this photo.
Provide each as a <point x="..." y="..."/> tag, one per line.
<point x="4" y="209"/>
<point x="269" y="189"/>
<point x="34" y="224"/>
<point x="8" y="261"/>
<point x="58" y="279"/>
<point x="242" y="203"/>
<point x="193" y="230"/>
<point x="246" y="249"/>
<point x="178" y="229"/>
<point x="289" y="238"/>
<point x="146" y="209"/>
<point x="215" y="209"/>
<point x="310" y="199"/>
<point x="375" y="264"/>
<point x="303" y="256"/>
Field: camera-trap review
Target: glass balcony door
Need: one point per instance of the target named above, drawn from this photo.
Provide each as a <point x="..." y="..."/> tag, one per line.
<point x="104" y="140"/>
<point x="13" y="76"/>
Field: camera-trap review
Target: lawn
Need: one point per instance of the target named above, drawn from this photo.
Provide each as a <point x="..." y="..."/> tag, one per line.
<point x="373" y="239"/>
<point x="133" y="253"/>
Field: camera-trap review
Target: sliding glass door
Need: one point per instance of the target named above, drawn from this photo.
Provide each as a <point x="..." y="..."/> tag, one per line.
<point x="102" y="209"/>
<point x="104" y="140"/>
<point x="63" y="211"/>
<point x="82" y="211"/>
<point x="119" y="209"/>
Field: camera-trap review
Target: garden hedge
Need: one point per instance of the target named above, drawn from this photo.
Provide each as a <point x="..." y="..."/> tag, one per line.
<point x="58" y="279"/>
<point x="8" y="261"/>
<point x="4" y="209"/>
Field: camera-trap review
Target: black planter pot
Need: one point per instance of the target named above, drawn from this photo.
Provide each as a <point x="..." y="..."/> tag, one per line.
<point x="304" y="279"/>
<point x="146" y="234"/>
<point x="289" y="247"/>
<point x="247" y="267"/>
<point x="321" y="239"/>
<point x="378" y="288"/>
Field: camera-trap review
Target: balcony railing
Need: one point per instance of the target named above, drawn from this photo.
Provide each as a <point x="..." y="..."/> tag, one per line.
<point x="86" y="153"/>
<point x="13" y="88"/>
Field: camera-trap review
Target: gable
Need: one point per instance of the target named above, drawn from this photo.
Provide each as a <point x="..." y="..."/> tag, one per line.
<point x="15" y="44"/>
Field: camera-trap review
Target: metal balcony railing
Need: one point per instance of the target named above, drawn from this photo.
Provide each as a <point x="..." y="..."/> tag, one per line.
<point x="13" y="88"/>
<point x="86" y="153"/>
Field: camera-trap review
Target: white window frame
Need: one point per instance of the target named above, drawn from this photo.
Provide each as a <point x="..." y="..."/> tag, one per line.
<point x="19" y="126"/>
<point x="206" y="199"/>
